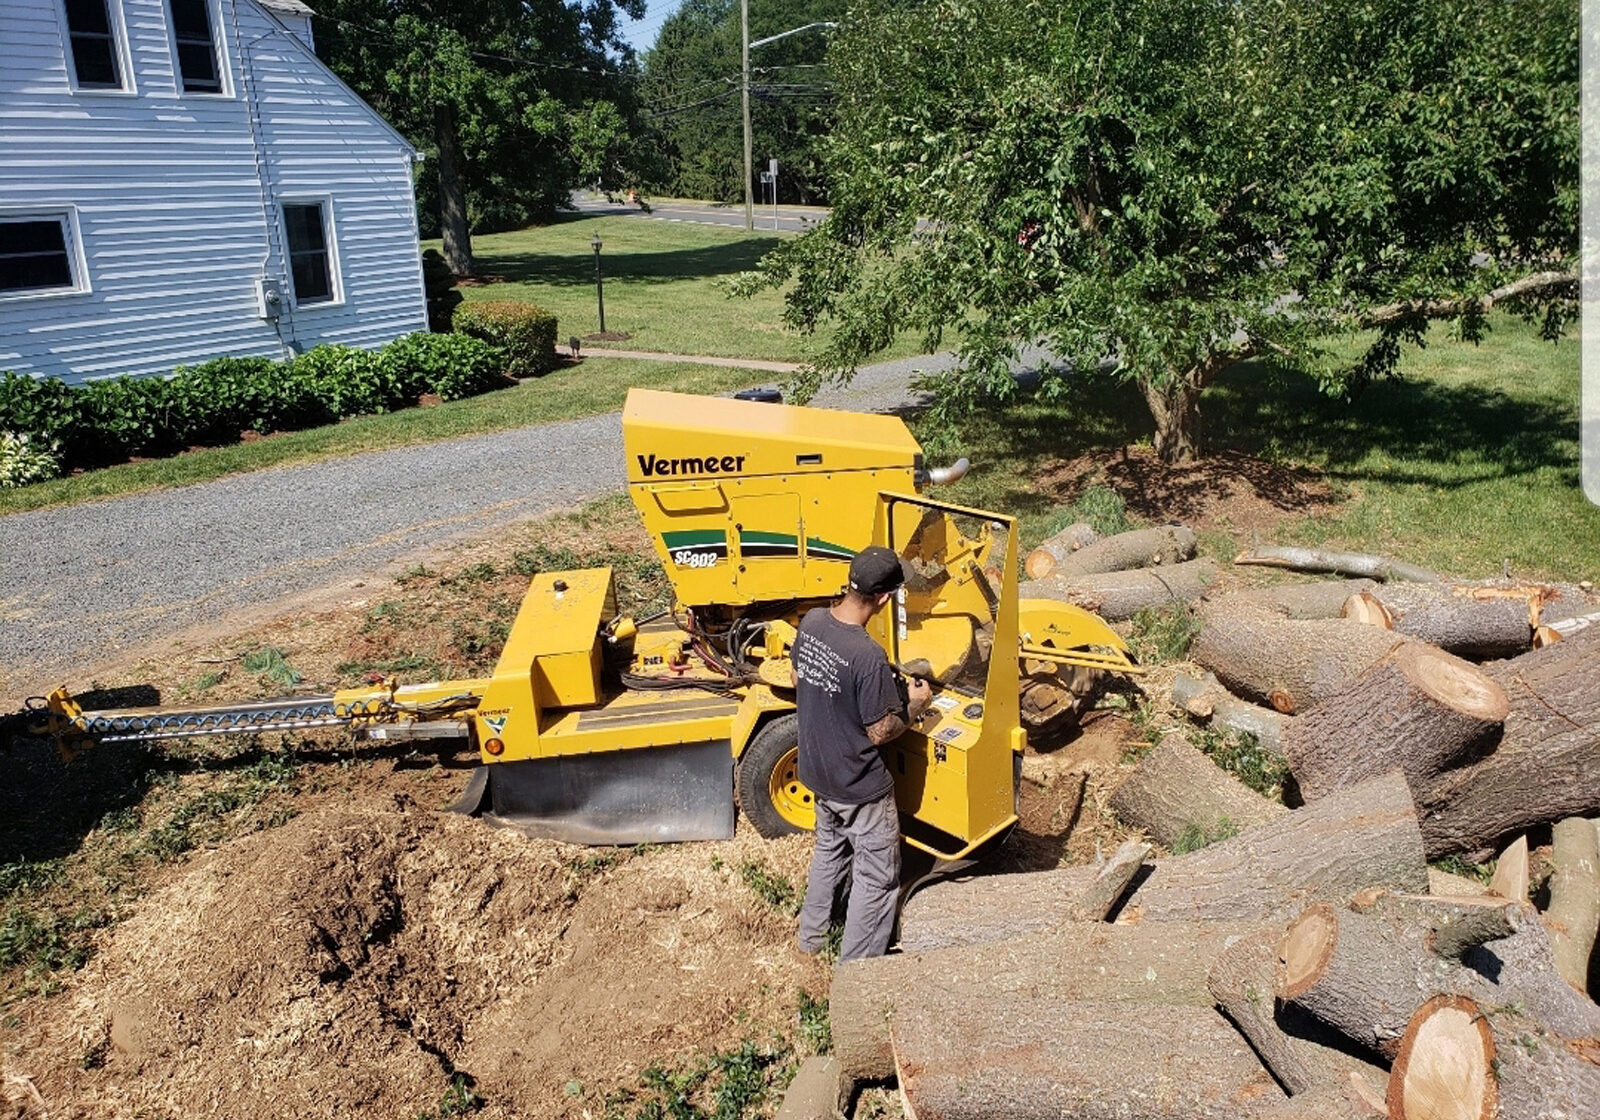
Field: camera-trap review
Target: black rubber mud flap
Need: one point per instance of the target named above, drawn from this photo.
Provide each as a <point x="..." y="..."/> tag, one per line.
<point x="654" y="795"/>
<point x="471" y="801"/>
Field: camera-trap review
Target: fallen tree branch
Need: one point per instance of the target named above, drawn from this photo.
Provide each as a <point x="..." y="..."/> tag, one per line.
<point x="1343" y="563"/>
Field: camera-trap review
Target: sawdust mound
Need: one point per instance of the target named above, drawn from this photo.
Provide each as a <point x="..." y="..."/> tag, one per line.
<point x="353" y="962"/>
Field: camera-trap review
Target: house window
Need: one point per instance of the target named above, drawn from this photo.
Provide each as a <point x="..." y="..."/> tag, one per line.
<point x="197" y="51"/>
<point x="94" y="44"/>
<point x="36" y="254"/>
<point x="310" y="262"/>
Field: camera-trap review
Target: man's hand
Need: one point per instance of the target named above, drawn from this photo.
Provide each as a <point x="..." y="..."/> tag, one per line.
<point x="919" y="693"/>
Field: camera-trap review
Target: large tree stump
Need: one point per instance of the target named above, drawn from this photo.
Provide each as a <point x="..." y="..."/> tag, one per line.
<point x="1088" y="962"/>
<point x="1319" y="599"/>
<point x="1464" y="1060"/>
<point x="1178" y="794"/>
<point x="1044" y="1059"/>
<point x="1461" y="623"/>
<point x="1058" y="548"/>
<point x="1119" y="595"/>
<point x="1418" y="709"/>
<point x="1288" y="663"/>
<point x="1573" y="917"/>
<point x="1241" y="980"/>
<point x="1205" y="699"/>
<point x="1363" y="974"/>
<point x="1141" y="548"/>
<point x="1363" y="836"/>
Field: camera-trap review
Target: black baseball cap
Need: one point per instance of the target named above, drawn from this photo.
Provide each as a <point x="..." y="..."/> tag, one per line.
<point x="875" y="570"/>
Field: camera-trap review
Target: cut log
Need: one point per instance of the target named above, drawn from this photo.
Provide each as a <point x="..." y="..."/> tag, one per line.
<point x="1241" y="980"/>
<point x="1363" y="836"/>
<point x="1455" y="925"/>
<point x="1521" y="970"/>
<point x="1029" y="1059"/>
<point x="1452" y="617"/>
<point x="1444" y="883"/>
<point x="1206" y="699"/>
<point x="1364" y="974"/>
<point x="1511" y="875"/>
<point x="1353" y="1098"/>
<point x="1141" y="548"/>
<point x="1109" y="884"/>
<point x="1056" y="548"/>
<point x="1465" y="1060"/>
<point x="1118" y="596"/>
<point x="1318" y="599"/>
<point x="1089" y="962"/>
<point x="1573" y="917"/>
<point x="1419" y="709"/>
<point x="1179" y="795"/>
<point x="1340" y="563"/>
<point x="1545" y="636"/>
<point x="1571" y="624"/>
<point x="1290" y="664"/>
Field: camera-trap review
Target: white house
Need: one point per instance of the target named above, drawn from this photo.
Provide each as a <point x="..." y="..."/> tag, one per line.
<point x="183" y="179"/>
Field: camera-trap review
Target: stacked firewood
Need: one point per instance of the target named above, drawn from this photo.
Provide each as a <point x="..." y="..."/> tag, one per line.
<point x="1305" y="962"/>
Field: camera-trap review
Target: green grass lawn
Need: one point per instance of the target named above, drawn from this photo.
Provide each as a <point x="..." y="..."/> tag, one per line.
<point x="1468" y="460"/>
<point x="595" y="385"/>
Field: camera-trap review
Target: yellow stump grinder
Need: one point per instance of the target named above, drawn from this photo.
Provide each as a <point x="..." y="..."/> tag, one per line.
<point x="599" y="728"/>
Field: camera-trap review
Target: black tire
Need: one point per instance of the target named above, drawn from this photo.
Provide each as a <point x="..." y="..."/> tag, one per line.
<point x="753" y="779"/>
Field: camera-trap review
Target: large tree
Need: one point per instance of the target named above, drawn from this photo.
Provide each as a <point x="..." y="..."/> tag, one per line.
<point x="1180" y="185"/>
<point x="513" y="102"/>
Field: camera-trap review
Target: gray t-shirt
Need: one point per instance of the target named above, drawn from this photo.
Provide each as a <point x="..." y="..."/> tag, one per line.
<point x="843" y="683"/>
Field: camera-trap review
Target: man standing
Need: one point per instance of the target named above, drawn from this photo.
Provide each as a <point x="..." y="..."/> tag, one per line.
<point x="848" y="708"/>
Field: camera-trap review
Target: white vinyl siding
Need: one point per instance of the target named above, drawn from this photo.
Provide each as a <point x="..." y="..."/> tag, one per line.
<point x="178" y="198"/>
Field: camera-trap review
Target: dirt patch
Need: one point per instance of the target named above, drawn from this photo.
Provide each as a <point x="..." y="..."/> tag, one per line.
<point x="1225" y="492"/>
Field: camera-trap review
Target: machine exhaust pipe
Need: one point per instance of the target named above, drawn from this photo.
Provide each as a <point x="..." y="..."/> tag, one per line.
<point x="943" y="476"/>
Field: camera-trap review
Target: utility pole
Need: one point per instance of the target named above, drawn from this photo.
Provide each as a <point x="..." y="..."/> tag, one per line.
<point x="744" y="42"/>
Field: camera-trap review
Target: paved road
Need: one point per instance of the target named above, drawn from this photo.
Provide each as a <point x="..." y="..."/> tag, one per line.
<point x="86" y="584"/>
<point x="790" y="219"/>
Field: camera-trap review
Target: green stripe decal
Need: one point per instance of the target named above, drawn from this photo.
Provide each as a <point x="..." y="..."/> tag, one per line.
<point x="753" y="537"/>
<point x="825" y="550"/>
<point x="694" y="538"/>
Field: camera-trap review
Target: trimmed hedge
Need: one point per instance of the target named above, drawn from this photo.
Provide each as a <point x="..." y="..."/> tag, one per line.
<point x="525" y="333"/>
<point x="113" y="419"/>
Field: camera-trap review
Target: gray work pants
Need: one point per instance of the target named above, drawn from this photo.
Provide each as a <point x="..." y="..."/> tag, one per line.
<point x="863" y="842"/>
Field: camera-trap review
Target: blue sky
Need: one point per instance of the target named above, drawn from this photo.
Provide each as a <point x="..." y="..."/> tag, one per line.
<point x="642" y="33"/>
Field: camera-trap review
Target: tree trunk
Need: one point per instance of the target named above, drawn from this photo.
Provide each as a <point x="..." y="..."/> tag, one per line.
<point x="452" y="193"/>
<point x="1241" y="980"/>
<point x="1573" y="916"/>
<point x="1204" y="698"/>
<point x="1179" y="796"/>
<point x="1287" y="663"/>
<point x="1521" y="969"/>
<point x="1418" y="709"/>
<point x="1319" y="599"/>
<point x="1141" y="548"/>
<point x="1175" y="407"/>
<point x="1057" y="548"/>
<point x="1465" y="1060"/>
<point x="986" y="1056"/>
<point x="1077" y="962"/>
<point x="1118" y="596"/>
<point x="1461" y="623"/>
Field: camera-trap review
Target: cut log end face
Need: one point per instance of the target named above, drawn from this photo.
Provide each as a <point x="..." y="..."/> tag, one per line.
<point x="1454" y="683"/>
<point x="1306" y="949"/>
<point x="1445" y="1068"/>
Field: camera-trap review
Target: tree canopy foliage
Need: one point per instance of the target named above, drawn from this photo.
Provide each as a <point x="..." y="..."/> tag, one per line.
<point x="513" y="102"/>
<point x="690" y="83"/>
<point x="1180" y="185"/>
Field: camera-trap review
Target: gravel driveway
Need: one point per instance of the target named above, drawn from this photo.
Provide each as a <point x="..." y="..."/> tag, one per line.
<point x="82" y="585"/>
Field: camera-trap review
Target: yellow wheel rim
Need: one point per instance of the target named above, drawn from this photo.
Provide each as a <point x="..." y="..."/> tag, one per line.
<point x="789" y="794"/>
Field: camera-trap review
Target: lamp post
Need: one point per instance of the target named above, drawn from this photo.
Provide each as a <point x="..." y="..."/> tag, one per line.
<point x="599" y="287"/>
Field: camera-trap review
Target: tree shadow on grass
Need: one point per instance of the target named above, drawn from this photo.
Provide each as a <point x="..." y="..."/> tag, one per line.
<point x="577" y="270"/>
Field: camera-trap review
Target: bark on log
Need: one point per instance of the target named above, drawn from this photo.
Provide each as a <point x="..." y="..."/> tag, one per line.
<point x="1109" y="884"/>
<point x="1177" y="793"/>
<point x="1340" y="563"/>
<point x="1025" y="1060"/>
<point x="1444" y="883"/>
<point x="1241" y="980"/>
<point x="1088" y="962"/>
<point x="1521" y="970"/>
<point x="1319" y="599"/>
<point x="1352" y="1098"/>
<point x="1290" y="664"/>
<point x="1465" y="1060"/>
<point x="1364" y="974"/>
<point x="1454" y="618"/>
<point x="1118" y="596"/>
<point x="1455" y="924"/>
<point x="1057" y="548"/>
<point x="1510" y="880"/>
<point x="1206" y="699"/>
<point x="1141" y="548"/>
<point x="1418" y="709"/>
<point x="1573" y="917"/>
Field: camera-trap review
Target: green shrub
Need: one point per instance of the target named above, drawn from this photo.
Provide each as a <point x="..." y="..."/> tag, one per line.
<point x="121" y="417"/>
<point x="526" y="334"/>
<point x="24" y="459"/>
<point x="452" y="365"/>
<point x="348" y="381"/>
<point x="214" y="401"/>
<point x="41" y="407"/>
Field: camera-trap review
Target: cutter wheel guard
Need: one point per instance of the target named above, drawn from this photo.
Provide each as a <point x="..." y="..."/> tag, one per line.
<point x="597" y="728"/>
